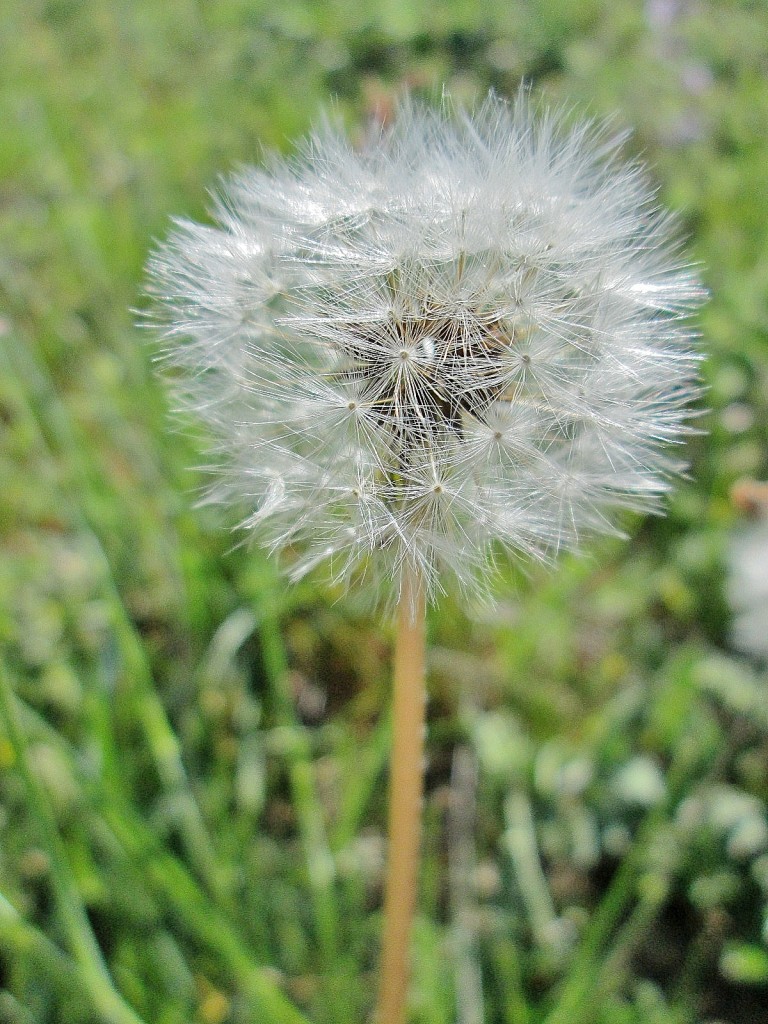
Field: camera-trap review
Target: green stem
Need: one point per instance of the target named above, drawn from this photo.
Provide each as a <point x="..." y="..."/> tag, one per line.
<point x="582" y="976"/>
<point x="22" y="939"/>
<point x="507" y="963"/>
<point x="162" y="741"/>
<point x="616" y="966"/>
<point x="200" y="917"/>
<point x="74" y="919"/>
<point x="520" y="840"/>
<point x="364" y="773"/>
<point x="574" y="1003"/>
<point x="317" y="855"/>
<point x="11" y="1009"/>
<point x="162" y="875"/>
<point x="55" y="429"/>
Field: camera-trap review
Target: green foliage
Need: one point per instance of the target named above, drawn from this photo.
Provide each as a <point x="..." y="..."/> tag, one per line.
<point x="192" y="763"/>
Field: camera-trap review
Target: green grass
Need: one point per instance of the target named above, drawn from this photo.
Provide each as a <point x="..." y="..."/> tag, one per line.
<point x="193" y="754"/>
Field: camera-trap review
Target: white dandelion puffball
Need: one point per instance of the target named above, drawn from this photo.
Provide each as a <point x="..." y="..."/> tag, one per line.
<point x="466" y="337"/>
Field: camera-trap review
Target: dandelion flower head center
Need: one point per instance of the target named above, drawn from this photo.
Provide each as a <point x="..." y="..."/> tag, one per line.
<point x="435" y="372"/>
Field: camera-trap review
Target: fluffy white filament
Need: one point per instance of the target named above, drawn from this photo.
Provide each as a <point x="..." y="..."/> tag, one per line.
<point x="466" y="337"/>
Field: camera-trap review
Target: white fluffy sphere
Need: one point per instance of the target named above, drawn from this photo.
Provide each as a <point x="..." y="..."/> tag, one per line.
<point x="468" y="336"/>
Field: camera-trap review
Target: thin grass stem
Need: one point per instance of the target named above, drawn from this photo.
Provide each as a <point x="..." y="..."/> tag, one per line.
<point x="71" y="910"/>
<point x="179" y="892"/>
<point x="56" y="431"/>
<point x="318" y="859"/>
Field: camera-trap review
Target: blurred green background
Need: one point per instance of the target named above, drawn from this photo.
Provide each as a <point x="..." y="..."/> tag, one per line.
<point x="192" y="770"/>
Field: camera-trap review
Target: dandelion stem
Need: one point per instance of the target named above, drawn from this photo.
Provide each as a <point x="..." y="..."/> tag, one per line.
<point x="405" y="800"/>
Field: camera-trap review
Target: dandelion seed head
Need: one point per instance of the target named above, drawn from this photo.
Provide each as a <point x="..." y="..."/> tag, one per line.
<point x="466" y="337"/>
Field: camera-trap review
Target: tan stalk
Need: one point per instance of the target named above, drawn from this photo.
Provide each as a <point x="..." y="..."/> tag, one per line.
<point x="405" y="800"/>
